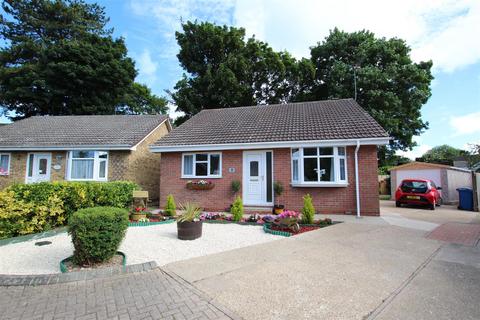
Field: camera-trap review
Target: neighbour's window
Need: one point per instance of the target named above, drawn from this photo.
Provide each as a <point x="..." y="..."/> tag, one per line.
<point x="88" y="165"/>
<point x="4" y="164"/>
<point x="202" y="165"/>
<point x="319" y="165"/>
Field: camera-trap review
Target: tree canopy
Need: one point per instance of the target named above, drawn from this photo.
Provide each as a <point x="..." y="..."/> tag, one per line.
<point x="443" y="154"/>
<point x="223" y="70"/>
<point x="390" y="87"/>
<point x="59" y="58"/>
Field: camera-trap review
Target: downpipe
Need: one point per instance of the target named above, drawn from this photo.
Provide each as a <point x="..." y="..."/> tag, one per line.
<point x="357" y="185"/>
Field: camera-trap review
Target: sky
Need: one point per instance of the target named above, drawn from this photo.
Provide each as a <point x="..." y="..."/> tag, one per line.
<point x="447" y="32"/>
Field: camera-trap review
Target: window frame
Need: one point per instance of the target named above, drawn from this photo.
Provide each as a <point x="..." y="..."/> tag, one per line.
<point x="9" y="155"/>
<point x="96" y="165"/>
<point x="194" y="161"/>
<point x="336" y="167"/>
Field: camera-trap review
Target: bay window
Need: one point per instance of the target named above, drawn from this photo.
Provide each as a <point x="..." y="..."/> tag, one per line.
<point x="201" y="165"/>
<point x="4" y="164"/>
<point x="319" y="166"/>
<point x="88" y="165"/>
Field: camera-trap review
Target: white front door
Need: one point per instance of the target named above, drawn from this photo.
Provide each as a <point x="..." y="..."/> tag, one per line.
<point x="38" y="167"/>
<point x="254" y="180"/>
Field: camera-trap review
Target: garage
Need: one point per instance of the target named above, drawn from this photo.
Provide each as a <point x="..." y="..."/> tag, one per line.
<point x="448" y="177"/>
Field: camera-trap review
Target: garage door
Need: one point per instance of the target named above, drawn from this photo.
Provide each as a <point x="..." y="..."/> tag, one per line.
<point x="433" y="175"/>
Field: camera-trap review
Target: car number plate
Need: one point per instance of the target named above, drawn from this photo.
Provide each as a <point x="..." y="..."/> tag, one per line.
<point x="413" y="197"/>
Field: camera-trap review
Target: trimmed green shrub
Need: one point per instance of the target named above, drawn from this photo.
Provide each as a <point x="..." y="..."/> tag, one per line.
<point x="30" y="208"/>
<point x="170" y="207"/>
<point x="237" y="209"/>
<point x="236" y="185"/>
<point x="18" y="217"/>
<point x="308" y="210"/>
<point x="97" y="233"/>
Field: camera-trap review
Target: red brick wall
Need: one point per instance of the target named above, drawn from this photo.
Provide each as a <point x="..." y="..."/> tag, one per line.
<point x="326" y="199"/>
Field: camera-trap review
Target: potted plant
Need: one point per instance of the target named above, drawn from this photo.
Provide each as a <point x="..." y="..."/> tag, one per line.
<point x="138" y="213"/>
<point x="278" y="189"/>
<point x="189" y="225"/>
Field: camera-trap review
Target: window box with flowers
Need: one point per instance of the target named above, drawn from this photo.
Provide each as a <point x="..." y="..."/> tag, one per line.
<point x="200" y="185"/>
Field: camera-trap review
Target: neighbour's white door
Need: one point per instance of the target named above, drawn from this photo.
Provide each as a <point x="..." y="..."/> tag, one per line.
<point x="38" y="167"/>
<point x="254" y="178"/>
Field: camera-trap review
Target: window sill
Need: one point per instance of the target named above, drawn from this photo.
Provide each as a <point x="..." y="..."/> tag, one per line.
<point x="201" y="178"/>
<point x="320" y="185"/>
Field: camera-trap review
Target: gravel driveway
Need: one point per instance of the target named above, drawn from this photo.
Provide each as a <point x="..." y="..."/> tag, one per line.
<point x="142" y="244"/>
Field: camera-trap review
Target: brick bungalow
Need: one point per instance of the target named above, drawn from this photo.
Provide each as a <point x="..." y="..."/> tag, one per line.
<point x="82" y="148"/>
<point x="325" y="148"/>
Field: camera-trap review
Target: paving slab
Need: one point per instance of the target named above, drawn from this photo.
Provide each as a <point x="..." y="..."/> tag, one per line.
<point x="447" y="288"/>
<point x="339" y="272"/>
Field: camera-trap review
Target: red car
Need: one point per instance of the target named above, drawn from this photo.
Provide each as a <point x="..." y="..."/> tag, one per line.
<point x="418" y="192"/>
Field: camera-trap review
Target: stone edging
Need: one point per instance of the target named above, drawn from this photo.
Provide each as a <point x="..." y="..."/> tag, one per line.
<point x="44" y="279"/>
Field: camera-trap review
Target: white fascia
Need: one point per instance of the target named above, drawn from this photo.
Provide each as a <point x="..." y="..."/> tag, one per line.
<point x="270" y="145"/>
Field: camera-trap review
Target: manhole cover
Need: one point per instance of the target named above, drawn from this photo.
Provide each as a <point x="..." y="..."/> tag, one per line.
<point x="43" y="243"/>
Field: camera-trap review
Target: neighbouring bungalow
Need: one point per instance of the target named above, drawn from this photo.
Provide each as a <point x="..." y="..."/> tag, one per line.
<point x="82" y="148"/>
<point x="324" y="148"/>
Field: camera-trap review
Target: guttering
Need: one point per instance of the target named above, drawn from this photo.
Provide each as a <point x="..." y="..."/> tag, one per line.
<point x="66" y="147"/>
<point x="268" y="145"/>
<point x="357" y="187"/>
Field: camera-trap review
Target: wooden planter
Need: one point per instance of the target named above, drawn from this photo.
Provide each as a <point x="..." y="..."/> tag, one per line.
<point x="189" y="230"/>
<point x="137" y="216"/>
<point x="194" y="186"/>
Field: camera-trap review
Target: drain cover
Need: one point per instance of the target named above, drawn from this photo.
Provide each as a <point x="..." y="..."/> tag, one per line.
<point x="43" y="243"/>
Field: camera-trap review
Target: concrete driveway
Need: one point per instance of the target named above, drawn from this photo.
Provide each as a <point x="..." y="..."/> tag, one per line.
<point x="370" y="268"/>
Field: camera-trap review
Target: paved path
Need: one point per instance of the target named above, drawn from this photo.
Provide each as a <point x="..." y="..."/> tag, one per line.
<point x="144" y="295"/>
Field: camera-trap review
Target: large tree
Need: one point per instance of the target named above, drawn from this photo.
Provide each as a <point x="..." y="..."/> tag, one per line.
<point x="223" y="69"/>
<point x="59" y="58"/>
<point x="389" y="85"/>
<point x="139" y="99"/>
<point x="443" y="154"/>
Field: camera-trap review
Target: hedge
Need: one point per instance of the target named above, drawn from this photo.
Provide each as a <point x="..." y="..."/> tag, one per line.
<point x="29" y="208"/>
<point x="97" y="233"/>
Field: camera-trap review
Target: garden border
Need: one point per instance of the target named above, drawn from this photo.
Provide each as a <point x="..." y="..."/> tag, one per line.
<point x="33" y="236"/>
<point x="146" y="224"/>
<point x="54" y="278"/>
<point x="63" y="267"/>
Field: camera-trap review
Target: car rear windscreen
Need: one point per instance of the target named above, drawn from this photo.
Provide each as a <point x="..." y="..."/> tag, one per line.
<point x="414" y="186"/>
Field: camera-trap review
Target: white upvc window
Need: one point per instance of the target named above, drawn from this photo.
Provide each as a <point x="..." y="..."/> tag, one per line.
<point x="85" y="165"/>
<point x="202" y="165"/>
<point x="5" y="164"/>
<point x="319" y="166"/>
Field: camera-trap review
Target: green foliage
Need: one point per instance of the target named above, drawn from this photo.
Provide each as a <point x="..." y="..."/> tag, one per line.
<point x="390" y="86"/>
<point x="30" y="208"/>
<point x="226" y="70"/>
<point x="140" y="100"/>
<point x="191" y="212"/>
<point x="19" y="216"/>
<point x="236" y="185"/>
<point x="278" y="188"/>
<point x="97" y="233"/>
<point x="171" y="207"/>
<point x="237" y="209"/>
<point x="60" y="58"/>
<point x="443" y="154"/>
<point x="308" y="210"/>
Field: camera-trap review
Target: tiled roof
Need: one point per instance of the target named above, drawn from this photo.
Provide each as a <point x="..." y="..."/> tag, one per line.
<point x="77" y="131"/>
<point x="303" y="121"/>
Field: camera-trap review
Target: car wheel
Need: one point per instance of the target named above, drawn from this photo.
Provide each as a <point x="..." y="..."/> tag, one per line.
<point x="398" y="204"/>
